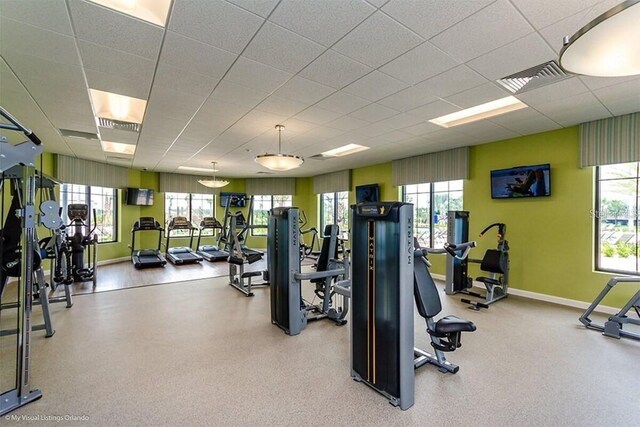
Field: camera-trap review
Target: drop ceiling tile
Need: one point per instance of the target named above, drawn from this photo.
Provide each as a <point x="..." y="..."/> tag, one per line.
<point x="246" y="72"/>
<point x="492" y="27"/>
<point x="318" y="115"/>
<point x="452" y="81"/>
<point x="28" y="40"/>
<point x="377" y="3"/>
<point x="100" y="58"/>
<point x="375" y="86"/>
<point x="335" y="70"/>
<point x="554" y="91"/>
<point x="341" y="102"/>
<point x="486" y="131"/>
<point x="115" y="30"/>
<point x="408" y="99"/>
<point x="259" y="7"/>
<point x="422" y="129"/>
<point x="623" y="98"/>
<point x="347" y="123"/>
<point x="304" y="90"/>
<point x="525" y="121"/>
<point x="542" y="13"/>
<point x="322" y="21"/>
<point x="217" y="109"/>
<point x="419" y="64"/>
<point x="595" y="83"/>
<point x="374" y="113"/>
<point x="195" y="56"/>
<point x="136" y="88"/>
<point x="571" y="110"/>
<point x="214" y="22"/>
<point x="374" y="130"/>
<point x="400" y="121"/>
<point x="43" y="76"/>
<point x="282" y="106"/>
<point x="178" y="106"/>
<point x="183" y="81"/>
<point x="323" y="132"/>
<point x="433" y="109"/>
<point x="516" y="56"/>
<point x="377" y="40"/>
<point x="477" y="95"/>
<point x="395" y="136"/>
<point x="430" y="17"/>
<point x="238" y="94"/>
<point x="296" y="127"/>
<point x="50" y="15"/>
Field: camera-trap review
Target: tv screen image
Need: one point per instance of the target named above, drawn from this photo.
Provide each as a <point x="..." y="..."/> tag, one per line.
<point x="139" y="197"/>
<point x="521" y="181"/>
<point x="236" y="200"/>
<point x="367" y="193"/>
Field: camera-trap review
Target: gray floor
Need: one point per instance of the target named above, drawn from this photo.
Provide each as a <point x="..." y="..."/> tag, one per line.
<point x="200" y="353"/>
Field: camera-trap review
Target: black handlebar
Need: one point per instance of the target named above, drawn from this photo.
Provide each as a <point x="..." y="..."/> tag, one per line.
<point x="15" y="125"/>
<point x="500" y="225"/>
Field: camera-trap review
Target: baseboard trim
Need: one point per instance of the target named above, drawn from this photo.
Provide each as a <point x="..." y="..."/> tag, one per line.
<point x="114" y="260"/>
<point x="547" y="298"/>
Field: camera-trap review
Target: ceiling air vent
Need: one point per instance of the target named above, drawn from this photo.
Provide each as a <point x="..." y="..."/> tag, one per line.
<point x="118" y="159"/>
<point x="320" y="157"/>
<point x="118" y="125"/>
<point x="264" y="173"/>
<point x="68" y="133"/>
<point x="534" y="77"/>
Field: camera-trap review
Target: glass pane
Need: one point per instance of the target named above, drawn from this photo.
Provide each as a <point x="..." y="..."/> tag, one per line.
<point x="342" y="211"/>
<point x="422" y="211"/>
<point x="622" y="170"/>
<point x="618" y="225"/>
<point x="176" y="204"/>
<point x="202" y="205"/>
<point x="104" y="200"/>
<point x="411" y="188"/>
<point x="327" y="209"/>
<point x="456" y="185"/>
<point x="424" y="187"/>
<point x="261" y="208"/>
<point x="441" y="186"/>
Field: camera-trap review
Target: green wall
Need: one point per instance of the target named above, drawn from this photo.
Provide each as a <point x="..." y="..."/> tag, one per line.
<point x="551" y="238"/>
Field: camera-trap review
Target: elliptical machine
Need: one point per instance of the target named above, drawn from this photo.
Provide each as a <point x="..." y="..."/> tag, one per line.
<point x="82" y="243"/>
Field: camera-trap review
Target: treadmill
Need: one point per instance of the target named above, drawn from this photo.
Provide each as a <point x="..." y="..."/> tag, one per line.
<point x="144" y="258"/>
<point x="210" y="252"/>
<point x="182" y="254"/>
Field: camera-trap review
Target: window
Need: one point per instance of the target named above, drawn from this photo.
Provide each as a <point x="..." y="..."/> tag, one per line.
<point x="102" y="199"/>
<point x="261" y="207"/>
<point x="334" y="209"/>
<point x="616" y="214"/>
<point x="431" y="202"/>
<point x="192" y="206"/>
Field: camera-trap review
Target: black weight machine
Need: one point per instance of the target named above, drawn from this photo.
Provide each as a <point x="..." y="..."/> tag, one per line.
<point x="613" y="327"/>
<point x="82" y="242"/>
<point x="289" y="310"/>
<point x="495" y="262"/>
<point x="181" y="254"/>
<point x="23" y="155"/>
<point x="210" y="252"/>
<point x="235" y="229"/>
<point x="143" y="258"/>
<point x="389" y="273"/>
<point x="310" y="249"/>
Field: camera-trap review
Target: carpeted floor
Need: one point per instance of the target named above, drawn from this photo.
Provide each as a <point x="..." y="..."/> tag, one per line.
<point x="200" y="353"/>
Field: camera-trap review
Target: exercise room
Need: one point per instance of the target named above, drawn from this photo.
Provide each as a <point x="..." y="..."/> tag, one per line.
<point x="353" y="212"/>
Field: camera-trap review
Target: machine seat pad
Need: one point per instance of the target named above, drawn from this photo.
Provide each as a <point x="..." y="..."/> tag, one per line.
<point x="251" y="274"/>
<point x="452" y="324"/>
<point x="489" y="281"/>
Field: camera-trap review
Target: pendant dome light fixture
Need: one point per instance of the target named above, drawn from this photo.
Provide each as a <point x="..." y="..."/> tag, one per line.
<point x="606" y="46"/>
<point x="279" y="162"/>
<point x="213" y="183"/>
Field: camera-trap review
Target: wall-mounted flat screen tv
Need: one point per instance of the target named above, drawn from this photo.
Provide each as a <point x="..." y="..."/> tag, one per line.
<point x="521" y="181"/>
<point x="236" y="200"/>
<point x="367" y="193"/>
<point x="139" y="197"/>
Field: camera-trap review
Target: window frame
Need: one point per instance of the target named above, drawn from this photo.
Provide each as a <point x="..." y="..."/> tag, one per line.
<point x="272" y="203"/>
<point x="87" y="199"/>
<point x="432" y="194"/>
<point x="597" y="222"/>
<point x="183" y="233"/>
<point x="335" y="201"/>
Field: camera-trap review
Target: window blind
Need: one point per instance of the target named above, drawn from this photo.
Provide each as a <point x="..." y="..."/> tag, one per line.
<point x="433" y="167"/>
<point x="72" y="170"/>
<point x="181" y="183"/>
<point x="611" y="140"/>
<point x="271" y="186"/>
<point x="332" y="182"/>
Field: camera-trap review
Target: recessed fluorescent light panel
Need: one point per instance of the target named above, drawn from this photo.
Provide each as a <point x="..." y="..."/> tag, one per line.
<point x="191" y="168"/>
<point x="345" y="150"/>
<point x="118" y="107"/>
<point x="480" y="112"/>
<point x="154" y="11"/>
<point x="117" y="147"/>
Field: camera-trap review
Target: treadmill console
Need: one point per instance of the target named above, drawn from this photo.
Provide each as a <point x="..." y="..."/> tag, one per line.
<point x="180" y="223"/>
<point x="210" y="222"/>
<point x="147" y="223"/>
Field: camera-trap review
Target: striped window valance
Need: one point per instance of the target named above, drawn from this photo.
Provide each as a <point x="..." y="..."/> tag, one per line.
<point x="611" y="140"/>
<point x="181" y="183"/>
<point x="271" y="186"/>
<point x="332" y="182"/>
<point x="433" y="167"/>
<point x="72" y="170"/>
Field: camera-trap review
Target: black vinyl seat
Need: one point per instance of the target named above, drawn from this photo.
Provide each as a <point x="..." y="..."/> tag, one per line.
<point x="494" y="261"/>
<point x="452" y="324"/>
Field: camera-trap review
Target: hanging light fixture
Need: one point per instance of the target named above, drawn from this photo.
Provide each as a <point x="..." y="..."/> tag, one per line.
<point x="606" y="46"/>
<point x="213" y="183"/>
<point x="279" y="162"/>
